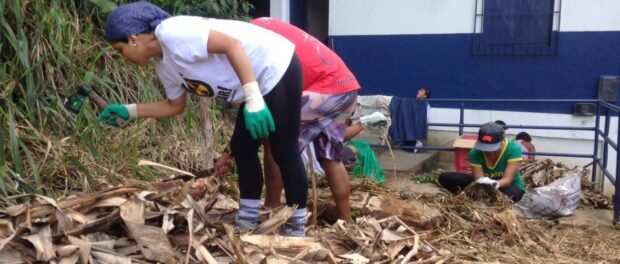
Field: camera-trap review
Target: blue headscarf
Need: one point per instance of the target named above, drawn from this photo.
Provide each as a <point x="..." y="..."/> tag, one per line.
<point x="133" y="18"/>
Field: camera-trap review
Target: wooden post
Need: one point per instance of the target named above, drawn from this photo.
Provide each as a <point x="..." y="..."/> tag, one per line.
<point x="312" y="175"/>
<point x="206" y="118"/>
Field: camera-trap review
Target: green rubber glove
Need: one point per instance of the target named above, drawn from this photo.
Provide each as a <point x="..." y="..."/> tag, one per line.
<point x="260" y="124"/>
<point x="109" y="113"/>
<point x="258" y="119"/>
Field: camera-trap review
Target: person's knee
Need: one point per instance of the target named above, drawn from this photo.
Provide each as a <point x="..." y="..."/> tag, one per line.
<point x="443" y="179"/>
<point x="236" y="147"/>
<point x="520" y="195"/>
<point x="453" y="181"/>
<point x="337" y="174"/>
<point x="516" y="198"/>
<point x="513" y="192"/>
<point x="243" y="151"/>
<point x="516" y="195"/>
<point x="286" y="158"/>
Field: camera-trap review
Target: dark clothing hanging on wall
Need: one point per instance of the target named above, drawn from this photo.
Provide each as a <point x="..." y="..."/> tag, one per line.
<point x="409" y="120"/>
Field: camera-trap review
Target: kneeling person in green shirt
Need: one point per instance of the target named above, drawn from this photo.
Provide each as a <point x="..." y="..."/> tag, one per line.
<point x="494" y="161"/>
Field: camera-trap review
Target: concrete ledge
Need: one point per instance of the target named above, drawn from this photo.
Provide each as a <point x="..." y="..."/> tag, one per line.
<point x="408" y="162"/>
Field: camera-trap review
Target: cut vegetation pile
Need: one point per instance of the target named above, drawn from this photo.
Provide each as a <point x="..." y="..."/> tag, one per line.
<point x="72" y="192"/>
<point x="479" y="225"/>
<point x="177" y="221"/>
<point x="188" y="219"/>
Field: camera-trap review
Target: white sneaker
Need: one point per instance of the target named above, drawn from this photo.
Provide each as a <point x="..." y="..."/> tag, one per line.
<point x="417" y="144"/>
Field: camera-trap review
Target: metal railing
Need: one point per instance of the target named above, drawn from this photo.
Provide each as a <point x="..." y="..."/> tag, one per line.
<point x="597" y="162"/>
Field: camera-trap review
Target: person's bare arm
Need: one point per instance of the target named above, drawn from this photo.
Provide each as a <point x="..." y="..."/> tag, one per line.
<point x="477" y="172"/>
<point x="232" y="48"/>
<point x="532" y="149"/>
<point x="163" y="109"/>
<point x="352" y="131"/>
<point x="509" y="173"/>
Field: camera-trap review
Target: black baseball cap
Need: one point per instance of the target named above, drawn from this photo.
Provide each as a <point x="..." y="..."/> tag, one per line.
<point x="490" y="137"/>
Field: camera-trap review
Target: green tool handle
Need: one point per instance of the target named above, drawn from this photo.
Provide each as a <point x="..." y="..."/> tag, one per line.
<point x="85" y="90"/>
<point x="103" y="104"/>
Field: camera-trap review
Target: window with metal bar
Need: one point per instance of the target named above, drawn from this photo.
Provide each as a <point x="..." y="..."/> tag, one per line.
<point x="516" y="27"/>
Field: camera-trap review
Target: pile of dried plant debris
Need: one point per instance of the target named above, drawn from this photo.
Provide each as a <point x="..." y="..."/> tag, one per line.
<point x="188" y="220"/>
<point x="542" y="172"/>
<point x="479" y="225"/>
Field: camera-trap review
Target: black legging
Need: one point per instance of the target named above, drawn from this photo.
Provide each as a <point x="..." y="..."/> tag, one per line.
<point x="284" y="103"/>
<point x="455" y="182"/>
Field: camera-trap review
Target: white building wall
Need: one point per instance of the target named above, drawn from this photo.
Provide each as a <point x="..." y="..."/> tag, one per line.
<point x="395" y="17"/>
<point x="413" y="17"/>
<point x="590" y="15"/>
<point x="280" y="9"/>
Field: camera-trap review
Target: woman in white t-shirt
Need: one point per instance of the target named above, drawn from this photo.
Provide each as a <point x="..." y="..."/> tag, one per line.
<point x="232" y="61"/>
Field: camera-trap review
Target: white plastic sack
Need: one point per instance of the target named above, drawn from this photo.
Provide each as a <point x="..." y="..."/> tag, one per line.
<point x="559" y="198"/>
<point x="367" y="104"/>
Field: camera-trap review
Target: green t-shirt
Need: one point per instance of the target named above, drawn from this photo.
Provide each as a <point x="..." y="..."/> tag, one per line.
<point x="510" y="153"/>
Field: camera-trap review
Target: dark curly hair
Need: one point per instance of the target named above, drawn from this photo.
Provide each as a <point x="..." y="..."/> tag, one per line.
<point x="524" y="136"/>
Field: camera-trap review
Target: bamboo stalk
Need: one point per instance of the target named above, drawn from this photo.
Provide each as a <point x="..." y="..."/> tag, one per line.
<point x="236" y="243"/>
<point x="315" y="198"/>
<point x="154" y="164"/>
<point x="206" y="119"/>
<point x="44" y="210"/>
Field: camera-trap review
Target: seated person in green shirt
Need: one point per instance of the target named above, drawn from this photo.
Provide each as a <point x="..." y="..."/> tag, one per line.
<point x="494" y="161"/>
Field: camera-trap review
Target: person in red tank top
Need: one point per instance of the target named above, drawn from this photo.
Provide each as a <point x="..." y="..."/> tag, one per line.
<point x="324" y="72"/>
<point x="328" y="101"/>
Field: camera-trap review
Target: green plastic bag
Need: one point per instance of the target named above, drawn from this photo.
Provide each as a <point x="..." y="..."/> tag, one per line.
<point x="366" y="165"/>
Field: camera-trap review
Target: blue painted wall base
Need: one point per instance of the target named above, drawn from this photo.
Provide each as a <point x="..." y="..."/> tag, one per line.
<point x="400" y="64"/>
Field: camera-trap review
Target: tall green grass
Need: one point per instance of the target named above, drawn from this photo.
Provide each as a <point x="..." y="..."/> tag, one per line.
<point x="46" y="48"/>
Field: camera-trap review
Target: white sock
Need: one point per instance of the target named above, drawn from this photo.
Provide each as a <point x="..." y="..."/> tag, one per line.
<point x="299" y="216"/>
<point x="248" y="209"/>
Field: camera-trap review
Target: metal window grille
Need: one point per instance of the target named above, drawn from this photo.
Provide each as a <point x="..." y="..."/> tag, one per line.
<point x="516" y="27"/>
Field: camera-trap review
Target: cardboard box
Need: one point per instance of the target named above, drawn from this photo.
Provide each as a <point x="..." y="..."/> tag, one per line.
<point x="465" y="142"/>
<point x="462" y="146"/>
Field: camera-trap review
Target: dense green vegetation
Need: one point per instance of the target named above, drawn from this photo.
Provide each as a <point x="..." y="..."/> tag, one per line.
<point x="46" y="48"/>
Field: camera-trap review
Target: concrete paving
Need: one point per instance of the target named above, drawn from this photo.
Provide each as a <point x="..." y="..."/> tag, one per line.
<point x="602" y="218"/>
<point x="408" y="165"/>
